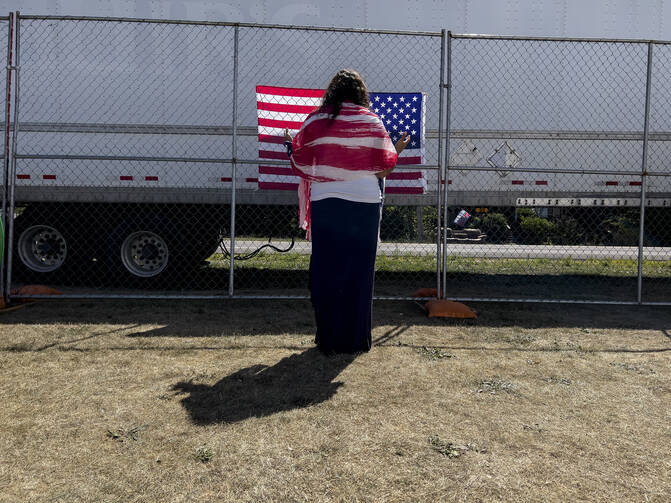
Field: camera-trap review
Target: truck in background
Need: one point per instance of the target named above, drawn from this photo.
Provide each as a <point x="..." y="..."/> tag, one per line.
<point x="124" y="151"/>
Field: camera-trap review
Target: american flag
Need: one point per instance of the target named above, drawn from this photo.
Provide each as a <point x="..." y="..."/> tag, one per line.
<point x="287" y="107"/>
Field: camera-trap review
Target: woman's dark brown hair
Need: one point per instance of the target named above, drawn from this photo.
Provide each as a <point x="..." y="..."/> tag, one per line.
<point x="346" y="85"/>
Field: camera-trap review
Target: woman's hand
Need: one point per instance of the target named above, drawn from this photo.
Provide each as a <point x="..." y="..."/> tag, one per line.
<point x="402" y="142"/>
<point x="287" y="136"/>
<point x="400" y="145"/>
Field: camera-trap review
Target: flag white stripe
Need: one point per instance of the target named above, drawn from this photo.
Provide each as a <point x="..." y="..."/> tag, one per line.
<point x="278" y="178"/>
<point x="281" y="116"/>
<point x="274" y="131"/>
<point x="274" y="147"/>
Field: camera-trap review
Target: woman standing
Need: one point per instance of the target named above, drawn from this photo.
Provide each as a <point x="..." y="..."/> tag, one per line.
<point x="341" y="152"/>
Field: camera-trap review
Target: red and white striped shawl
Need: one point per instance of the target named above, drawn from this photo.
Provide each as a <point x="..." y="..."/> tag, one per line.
<point x="353" y="145"/>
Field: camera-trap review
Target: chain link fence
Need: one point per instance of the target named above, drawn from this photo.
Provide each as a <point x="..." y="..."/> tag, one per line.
<point x="6" y="33"/>
<point x="146" y="161"/>
<point x="548" y="140"/>
<point x="140" y="169"/>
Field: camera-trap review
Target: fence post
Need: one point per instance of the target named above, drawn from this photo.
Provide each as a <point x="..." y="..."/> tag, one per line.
<point x="644" y="172"/>
<point x="441" y="112"/>
<point x="442" y="231"/>
<point x="12" y="171"/>
<point x="234" y="151"/>
<point x="4" y="289"/>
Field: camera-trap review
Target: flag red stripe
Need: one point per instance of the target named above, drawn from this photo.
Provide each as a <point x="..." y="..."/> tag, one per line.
<point x="282" y="107"/>
<point x="278" y="185"/>
<point x="409" y="160"/>
<point x="271" y="154"/>
<point x="276" y="170"/>
<point x="280" y="124"/>
<point x="268" y="138"/>
<point x="405" y="175"/>
<point x="289" y="91"/>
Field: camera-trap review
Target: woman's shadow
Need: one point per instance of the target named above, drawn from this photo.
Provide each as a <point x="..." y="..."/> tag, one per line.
<point x="299" y="380"/>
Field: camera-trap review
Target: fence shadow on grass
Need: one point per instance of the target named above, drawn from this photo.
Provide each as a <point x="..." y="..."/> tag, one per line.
<point x="250" y="317"/>
<point x="300" y="380"/>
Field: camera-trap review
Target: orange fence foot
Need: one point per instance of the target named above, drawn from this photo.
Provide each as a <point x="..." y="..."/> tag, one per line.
<point x="448" y="309"/>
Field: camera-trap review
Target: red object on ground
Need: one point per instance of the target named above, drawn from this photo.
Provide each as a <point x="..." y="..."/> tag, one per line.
<point x="449" y="309"/>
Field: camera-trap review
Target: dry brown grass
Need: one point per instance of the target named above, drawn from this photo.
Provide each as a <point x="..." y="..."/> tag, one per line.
<point x="227" y="401"/>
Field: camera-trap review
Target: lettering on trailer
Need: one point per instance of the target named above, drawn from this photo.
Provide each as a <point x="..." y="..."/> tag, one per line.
<point x="625" y="202"/>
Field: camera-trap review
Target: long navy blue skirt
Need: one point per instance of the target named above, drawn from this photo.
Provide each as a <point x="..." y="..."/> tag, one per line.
<point x="344" y="243"/>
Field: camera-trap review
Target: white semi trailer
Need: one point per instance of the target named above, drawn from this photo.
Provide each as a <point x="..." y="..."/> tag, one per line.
<point x="123" y="143"/>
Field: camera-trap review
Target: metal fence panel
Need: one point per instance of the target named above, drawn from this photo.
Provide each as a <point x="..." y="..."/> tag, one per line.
<point x="546" y="148"/>
<point x="308" y="59"/>
<point x="656" y="232"/>
<point x="6" y="33"/>
<point x="123" y="155"/>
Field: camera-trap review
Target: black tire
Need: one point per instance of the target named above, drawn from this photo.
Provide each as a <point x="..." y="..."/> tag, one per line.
<point x="201" y="247"/>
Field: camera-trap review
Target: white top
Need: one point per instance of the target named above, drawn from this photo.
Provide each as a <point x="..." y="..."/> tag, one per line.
<point x="362" y="190"/>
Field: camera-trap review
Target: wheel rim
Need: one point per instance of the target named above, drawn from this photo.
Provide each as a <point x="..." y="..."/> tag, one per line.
<point x="144" y="254"/>
<point x="42" y="248"/>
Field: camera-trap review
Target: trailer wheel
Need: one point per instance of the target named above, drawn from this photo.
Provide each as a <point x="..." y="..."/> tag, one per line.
<point x="142" y="250"/>
<point x="144" y="253"/>
<point x="51" y="244"/>
<point x="42" y="248"/>
<point x="204" y="245"/>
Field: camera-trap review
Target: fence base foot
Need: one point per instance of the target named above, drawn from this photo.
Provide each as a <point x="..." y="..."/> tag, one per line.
<point x="443" y="308"/>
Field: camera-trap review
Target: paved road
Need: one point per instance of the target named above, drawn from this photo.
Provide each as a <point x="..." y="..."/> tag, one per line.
<point x="488" y="250"/>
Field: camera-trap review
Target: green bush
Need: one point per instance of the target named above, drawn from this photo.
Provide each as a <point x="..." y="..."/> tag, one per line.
<point x="535" y="230"/>
<point x="566" y="231"/>
<point x="495" y="225"/>
<point x="525" y="212"/>
<point x="622" y="230"/>
<point x="399" y="223"/>
<point x="430" y="221"/>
